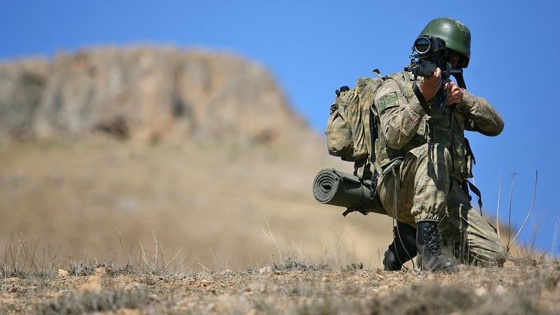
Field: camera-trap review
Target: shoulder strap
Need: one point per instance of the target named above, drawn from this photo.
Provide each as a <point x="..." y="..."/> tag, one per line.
<point x="373" y="131"/>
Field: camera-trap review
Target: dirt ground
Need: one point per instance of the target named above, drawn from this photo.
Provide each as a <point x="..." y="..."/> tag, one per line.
<point x="130" y="228"/>
<point x="290" y="287"/>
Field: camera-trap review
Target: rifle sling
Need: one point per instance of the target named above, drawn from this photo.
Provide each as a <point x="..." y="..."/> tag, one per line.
<point x="421" y="98"/>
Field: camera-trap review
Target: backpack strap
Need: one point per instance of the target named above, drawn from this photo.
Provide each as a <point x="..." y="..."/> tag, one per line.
<point x="374" y="135"/>
<point x="373" y="131"/>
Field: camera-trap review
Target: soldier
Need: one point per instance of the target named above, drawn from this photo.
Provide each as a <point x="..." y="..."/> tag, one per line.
<point x="424" y="161"/>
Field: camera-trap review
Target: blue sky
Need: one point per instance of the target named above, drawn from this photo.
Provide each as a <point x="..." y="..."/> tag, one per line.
<point x="313" y="47"/>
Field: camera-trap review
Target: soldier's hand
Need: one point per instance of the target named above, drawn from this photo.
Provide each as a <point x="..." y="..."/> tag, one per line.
<point x="429" y="86"/>
<point x="454" y="94"/>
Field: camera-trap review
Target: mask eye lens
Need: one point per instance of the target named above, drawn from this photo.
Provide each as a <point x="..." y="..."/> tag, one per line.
<point x="422" y="45"/>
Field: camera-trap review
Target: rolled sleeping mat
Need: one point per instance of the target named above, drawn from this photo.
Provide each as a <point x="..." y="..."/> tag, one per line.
<point x="343" y="189"/>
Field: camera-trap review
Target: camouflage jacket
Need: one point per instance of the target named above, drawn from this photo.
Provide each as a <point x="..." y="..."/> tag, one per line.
<point x="403" y="124"/>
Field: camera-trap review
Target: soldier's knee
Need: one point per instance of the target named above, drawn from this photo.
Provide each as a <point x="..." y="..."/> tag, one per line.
<point x="490" y="258"/>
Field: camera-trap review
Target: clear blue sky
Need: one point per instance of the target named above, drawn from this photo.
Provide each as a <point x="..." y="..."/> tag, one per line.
<point x="313" y="47"/>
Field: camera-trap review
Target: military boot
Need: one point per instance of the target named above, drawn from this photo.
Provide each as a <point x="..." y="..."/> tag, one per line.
<point x="402" y="249"/>
<point x="429" y="245"/>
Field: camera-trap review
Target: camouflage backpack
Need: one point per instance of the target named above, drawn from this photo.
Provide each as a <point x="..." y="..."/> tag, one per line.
<point x="351" y="129"/>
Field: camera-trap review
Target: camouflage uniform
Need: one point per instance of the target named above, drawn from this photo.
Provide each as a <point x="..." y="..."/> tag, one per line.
<point x="424" y="162"/>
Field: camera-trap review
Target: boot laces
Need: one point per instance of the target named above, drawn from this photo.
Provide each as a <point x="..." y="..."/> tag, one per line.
<point x="433" y="241"/>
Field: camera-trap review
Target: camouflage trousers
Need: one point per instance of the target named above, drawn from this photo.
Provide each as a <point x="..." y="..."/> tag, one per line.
<point x="421" y="189"/>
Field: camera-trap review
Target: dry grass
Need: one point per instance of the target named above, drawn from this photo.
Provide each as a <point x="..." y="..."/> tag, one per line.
<point x="127" y="228"/>
<point x="290" y="287"/>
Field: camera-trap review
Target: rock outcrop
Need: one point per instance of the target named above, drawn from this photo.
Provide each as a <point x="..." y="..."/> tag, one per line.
<point x="146" y="93"/>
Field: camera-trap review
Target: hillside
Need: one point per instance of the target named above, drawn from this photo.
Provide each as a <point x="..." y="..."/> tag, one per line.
<point x="110" y="152"/>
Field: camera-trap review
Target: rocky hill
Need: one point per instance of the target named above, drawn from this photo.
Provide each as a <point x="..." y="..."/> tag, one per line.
<point x="146" y="93"/>
<point x="107" y="150"/>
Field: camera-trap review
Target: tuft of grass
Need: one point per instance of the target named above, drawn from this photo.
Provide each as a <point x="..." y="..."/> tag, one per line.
<point x="302" y="265"/>
<point x="81" y="269"/>
<point x="21" y="257"/>
<point x="153" y="262"/>
<point x="90" y="302"/>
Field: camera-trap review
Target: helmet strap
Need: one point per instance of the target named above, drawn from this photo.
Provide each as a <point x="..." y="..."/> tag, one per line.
<point x="460" y="79"/>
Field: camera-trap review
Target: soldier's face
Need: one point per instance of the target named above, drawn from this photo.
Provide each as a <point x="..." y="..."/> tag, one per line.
<point x="454" y="59"/>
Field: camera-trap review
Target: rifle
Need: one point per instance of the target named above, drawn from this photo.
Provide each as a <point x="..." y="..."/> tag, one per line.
<point x="431" y="53"/>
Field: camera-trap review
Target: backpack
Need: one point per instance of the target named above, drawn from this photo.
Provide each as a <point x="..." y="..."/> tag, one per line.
<point x="351" y="129"/>
<point x="351" y="134"/>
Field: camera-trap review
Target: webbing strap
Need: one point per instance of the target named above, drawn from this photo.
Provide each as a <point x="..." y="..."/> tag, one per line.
<point x="477" y="192"/>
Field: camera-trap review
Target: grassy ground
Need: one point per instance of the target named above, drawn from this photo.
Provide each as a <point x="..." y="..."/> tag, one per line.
<point x="290" y="287"/>
<point x="130" y="228"/>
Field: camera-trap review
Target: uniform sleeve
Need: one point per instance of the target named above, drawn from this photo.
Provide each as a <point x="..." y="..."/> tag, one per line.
<point x="481" y="115"/>
<point x="399" y="119"/>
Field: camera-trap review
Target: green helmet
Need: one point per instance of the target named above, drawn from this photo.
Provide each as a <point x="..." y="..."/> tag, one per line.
<point x="456" y="35"/>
